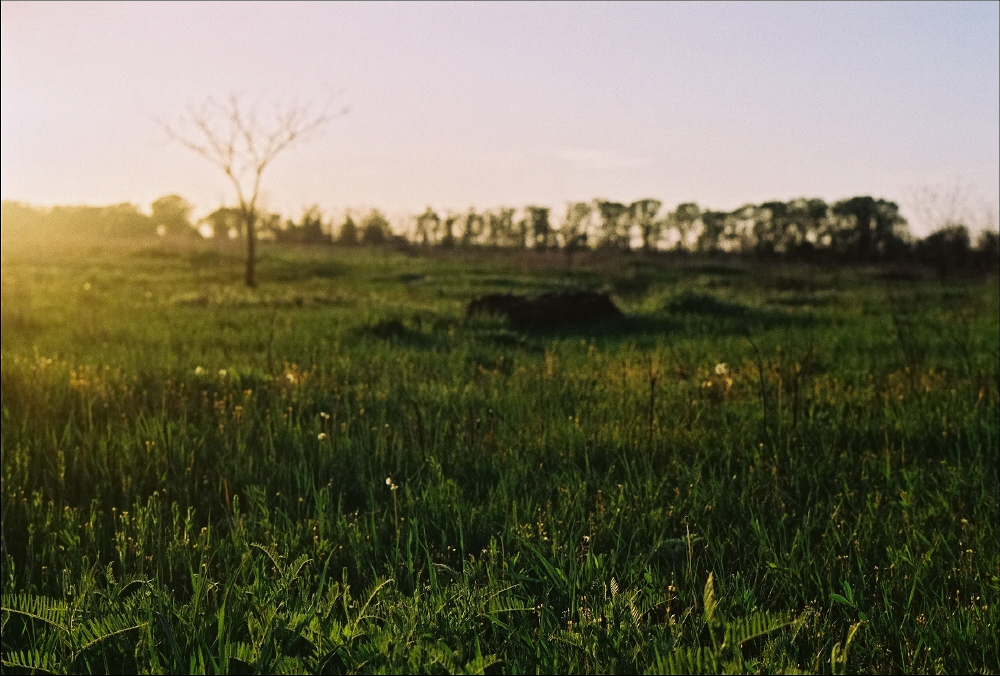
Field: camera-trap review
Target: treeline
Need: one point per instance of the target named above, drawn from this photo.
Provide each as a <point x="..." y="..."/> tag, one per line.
<point x="25" y="222"/>
<point x="860" y="229"/>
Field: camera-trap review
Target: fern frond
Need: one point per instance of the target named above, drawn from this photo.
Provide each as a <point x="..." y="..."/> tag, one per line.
<point x="242" y="658"/>
<point x="759" y="624"/>
<point x="709" y="600"/>
<point x="480" y="664"/>
<point x="272" y="554"/>
<point x="33" y="660"/>
<point x="838" y="656"/>
<point x="292" y="572"/>
<point x="690" y="661"/>
<point x="94" y="631"/>
<point x="41" y="608"/>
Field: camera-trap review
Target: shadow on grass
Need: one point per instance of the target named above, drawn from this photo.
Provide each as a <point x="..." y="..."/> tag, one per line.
<point x="395" y="331"/>
<point x="714" y="317"/>
<point x="288" y="270"/>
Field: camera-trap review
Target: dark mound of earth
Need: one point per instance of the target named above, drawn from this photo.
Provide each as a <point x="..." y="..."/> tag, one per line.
<point x="552" y="309"/>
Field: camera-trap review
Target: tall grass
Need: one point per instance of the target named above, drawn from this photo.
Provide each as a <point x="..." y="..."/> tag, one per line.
<point x="340" y="472"/>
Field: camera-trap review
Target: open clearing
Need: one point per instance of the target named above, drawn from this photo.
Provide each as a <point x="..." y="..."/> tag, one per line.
<point x="339" y="472"/>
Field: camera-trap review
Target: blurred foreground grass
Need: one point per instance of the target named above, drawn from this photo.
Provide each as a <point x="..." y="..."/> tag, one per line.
<point x="339" y="472"/>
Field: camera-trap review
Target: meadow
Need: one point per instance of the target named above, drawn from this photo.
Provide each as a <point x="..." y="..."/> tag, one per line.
<point x="763" y="468"/>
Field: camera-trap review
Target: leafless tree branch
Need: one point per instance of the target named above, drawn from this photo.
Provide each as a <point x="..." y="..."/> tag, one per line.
<point x="230" y="136"/>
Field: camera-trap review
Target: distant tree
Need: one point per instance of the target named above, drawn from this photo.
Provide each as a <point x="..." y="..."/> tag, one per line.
<point x="428" y="224"/>
<point x="268" y="225"/>
<point x="947" y="249"/>
<point x="519" y="234"/>
<point x="25" y="222"/>
<point x="770" y="228"/>
<point x="348" y="232"/>
<point x="500" y="227"/>
<point x="375" y="229"/>
<point x="224" y="222"/>
<point x="572" y="234"/>
<point x="172" y="214"/>
<point x="807" y="221"/>
<point x="789" y="227"/>
<point x="988" y="251"/>
<point x="713" y="228"/>
<point x="473" y="225"/>
<point x="684" y="219"/>
<point x="614" y="224"/>
<point x="231" y="137"/>
<point x="542" y="235"/>
<point x="869" y="228"/>
<point x="642" y="215"/>
<point x="310" y="230"/>
<point x="738" y="235"/>
<point x="573" y="231"/>
<point x="312" y="226"/>
<point x="448" y="230"/>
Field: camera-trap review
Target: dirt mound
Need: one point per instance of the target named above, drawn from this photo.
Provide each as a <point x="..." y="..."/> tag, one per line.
<point x="555" y="308"/>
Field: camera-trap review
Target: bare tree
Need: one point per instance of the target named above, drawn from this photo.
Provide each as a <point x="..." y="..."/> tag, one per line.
<point x="231" y="136"/>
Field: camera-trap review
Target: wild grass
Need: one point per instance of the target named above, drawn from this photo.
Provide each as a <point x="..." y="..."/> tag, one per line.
<point x="758" y="471"/>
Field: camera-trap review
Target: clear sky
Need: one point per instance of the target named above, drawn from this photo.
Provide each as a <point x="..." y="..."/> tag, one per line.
<point x="481" y="104"/>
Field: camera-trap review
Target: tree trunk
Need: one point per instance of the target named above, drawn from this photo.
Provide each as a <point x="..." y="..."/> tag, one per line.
<point x="251" y="275"/>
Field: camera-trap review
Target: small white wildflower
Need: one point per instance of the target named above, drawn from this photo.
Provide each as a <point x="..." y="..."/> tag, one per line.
<point x="321" y="436"/>
<point x="199" y="371"/>
<point x="721" y="369"/>
<point x="324" y="416"/>
<point x="222" y="373"/>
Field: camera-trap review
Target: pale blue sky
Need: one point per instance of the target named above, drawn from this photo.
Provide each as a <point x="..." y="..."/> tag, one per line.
<point x="482" y="104"/>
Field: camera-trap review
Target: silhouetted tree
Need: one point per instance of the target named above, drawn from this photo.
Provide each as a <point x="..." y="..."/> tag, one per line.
<point x="172" y="214"/>
<point x="739" y="229"/>
<point x="312" y="226"/>
<point x="348" y="232"/>
<point x="268" y="225"/>
<point x="770" y="228"/>
<point x="642" y="215"/>
<point x="614" y="224"/>
<point x="25" y="222"/>
<point x="713" y="228"/>
<point x="472" y="227"/>
<point x="375" y="228"/>
<point x="947" y="249"/>
<point x="807" y="221"/>
<point x="573" y="231"/>
<point x="428" y="224"/>
<point x="448" y="230"/>
<point x="500" y="227"/>
<point x="988" y="251"/>
<point x="225" y="222"/>
<point x="310" y="230"/>
<point x="684" y="219"/>
<point x="542" y="236"/>
<point x="869" y="228"/>
<point x="232" y="138"/>
<point x="519" y="234"/>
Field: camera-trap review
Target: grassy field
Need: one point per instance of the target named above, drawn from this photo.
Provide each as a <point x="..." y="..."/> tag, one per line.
<point x="762" y="469"/>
